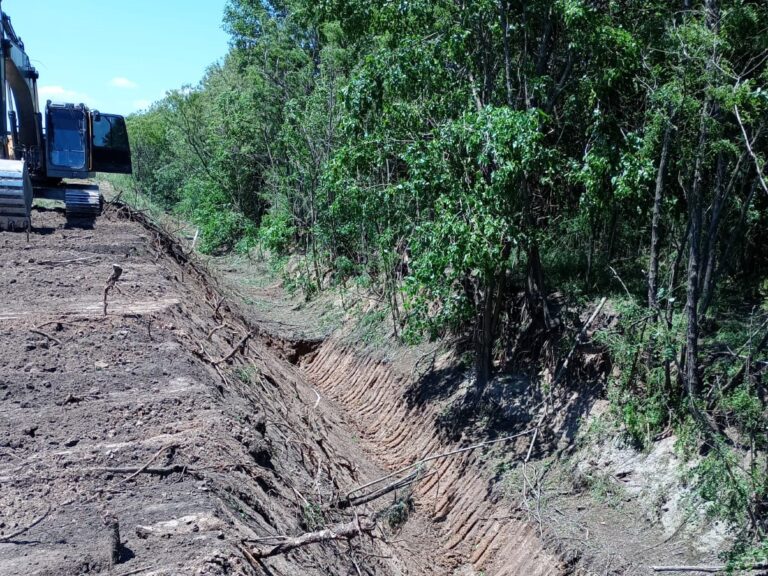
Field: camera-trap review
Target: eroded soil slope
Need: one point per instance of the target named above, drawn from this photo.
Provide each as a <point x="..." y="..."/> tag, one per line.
<point x="165" y="416"/>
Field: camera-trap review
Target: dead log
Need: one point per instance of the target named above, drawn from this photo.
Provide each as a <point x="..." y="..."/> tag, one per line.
<point x="342" y="532"/>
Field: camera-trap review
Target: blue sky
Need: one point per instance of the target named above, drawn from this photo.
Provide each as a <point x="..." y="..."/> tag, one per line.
<point x="118" y="55"/>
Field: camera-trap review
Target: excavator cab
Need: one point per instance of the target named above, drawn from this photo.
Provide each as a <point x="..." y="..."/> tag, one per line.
<point x="80" y="142"/>
<point x="67" y="141"/>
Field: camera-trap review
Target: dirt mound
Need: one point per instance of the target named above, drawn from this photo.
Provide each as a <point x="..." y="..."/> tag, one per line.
<point x="165" y="419"/>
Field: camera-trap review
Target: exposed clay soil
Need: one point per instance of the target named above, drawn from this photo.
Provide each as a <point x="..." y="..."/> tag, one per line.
<point x="600" y="508"/>
<point x="134" y="416"/>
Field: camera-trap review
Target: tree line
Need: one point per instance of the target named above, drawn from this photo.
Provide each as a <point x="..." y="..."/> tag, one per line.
<point x="469" y="158"/>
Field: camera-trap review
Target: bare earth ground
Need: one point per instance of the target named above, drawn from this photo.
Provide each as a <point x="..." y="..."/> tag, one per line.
<point x="156" y="417"/>
<point x="202" y="444"/>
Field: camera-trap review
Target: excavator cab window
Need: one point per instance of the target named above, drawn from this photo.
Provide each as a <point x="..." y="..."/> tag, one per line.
<point x="111" y="150"/>
<point x="67" y="131"/>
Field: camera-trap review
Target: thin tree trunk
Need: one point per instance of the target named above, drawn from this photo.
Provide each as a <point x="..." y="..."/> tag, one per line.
<point x="504" y="8"/>
<point x="692" y="292"/>
<point x="653" y="268"/>
<point x="536" y="287"/>
<point x="727" y="257"/>
<point x="709" y="254"/>
<point x="693" y="384"/>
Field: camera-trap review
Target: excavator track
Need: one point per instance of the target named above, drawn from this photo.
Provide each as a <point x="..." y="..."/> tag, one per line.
<point x="84" y="202"/>
<point x="15" y="196"/>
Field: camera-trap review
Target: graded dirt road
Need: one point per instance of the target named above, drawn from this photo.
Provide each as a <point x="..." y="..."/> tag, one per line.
<point x="165" y="419"/>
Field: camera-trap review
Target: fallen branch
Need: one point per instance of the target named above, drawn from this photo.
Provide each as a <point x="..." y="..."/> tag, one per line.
<point x="146" y="466"/>
<point x="137" y="571"/>
<point x="616" y="275"/>
<point x="579" y="337"/>
<point x="413" y="477"/>
<point x="63" y="262"/>
<point x="167" y="471"/>
<point x="343" y="532"/>
<point x="234" y="350"/>
<point x="437" y="457"/>
<point x="41" y="333"/>
<point x="26" y="528"/>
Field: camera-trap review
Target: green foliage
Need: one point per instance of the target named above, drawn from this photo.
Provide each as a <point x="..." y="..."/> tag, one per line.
<point x="637" y="389"/>
<point x="461" y="158"/>
<point x="312" y="517"/>
<point x="399" y="512"/>
<point x="221" y="228"/>
<point x="276" y="232"/>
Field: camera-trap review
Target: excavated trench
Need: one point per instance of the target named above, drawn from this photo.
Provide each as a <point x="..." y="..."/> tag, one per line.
<point x="210" y="441"/>
<point x="473" y="527"/>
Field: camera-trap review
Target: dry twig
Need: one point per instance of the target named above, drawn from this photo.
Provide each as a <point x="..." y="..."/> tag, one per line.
<point x="234" y="350"/>
<point x="155" y="456"/>
<point x="27" y="528"/>
<point x="41" y="333"/>
<point x="117" y="271"/>
<point x="423" y="461"/>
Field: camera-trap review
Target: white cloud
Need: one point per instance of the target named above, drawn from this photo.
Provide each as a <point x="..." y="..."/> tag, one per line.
<point x="120" y="82"/>
<point x="61" y="94"/>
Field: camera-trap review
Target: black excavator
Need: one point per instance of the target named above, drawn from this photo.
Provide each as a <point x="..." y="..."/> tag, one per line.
<point x="50" y="157"/>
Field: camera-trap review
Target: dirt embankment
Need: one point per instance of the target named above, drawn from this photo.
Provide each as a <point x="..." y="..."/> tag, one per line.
<point x="208" y="439"/>
<point x="205" y="448"/>
<point x="476" y="528"/>
<point x="584" y="503"/>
